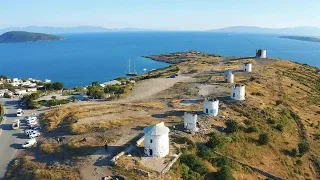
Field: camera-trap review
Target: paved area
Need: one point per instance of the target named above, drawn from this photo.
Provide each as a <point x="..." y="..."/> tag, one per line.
<point x="10" y="140"/>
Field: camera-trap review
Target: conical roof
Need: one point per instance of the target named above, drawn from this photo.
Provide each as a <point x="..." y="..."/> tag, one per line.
<point x="156" y="130"/>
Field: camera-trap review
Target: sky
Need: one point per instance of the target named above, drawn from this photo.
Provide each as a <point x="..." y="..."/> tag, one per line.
<point x="160" y="14"/>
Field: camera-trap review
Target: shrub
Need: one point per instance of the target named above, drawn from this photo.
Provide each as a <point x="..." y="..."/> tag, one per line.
<point x="317" y="136"/>
<point x="263" y="138"/>
<point x="251" y="129"/>
<point x="278" y="102"/>
<point x="194" y="163"/>
<point x="279" y="127"/>
<point x="303" y="147"/>
<point x="271" y="121"/>
<point x="293" y="152"/>
<point x="205" y="153"/>
<point x="225" y="173"/>
<point x="247" y="122"/>
<point x="48" y="148"/>
<point x="299" y="162"/>
<point x="232" y="126"/>
<point x="215" y="141"/>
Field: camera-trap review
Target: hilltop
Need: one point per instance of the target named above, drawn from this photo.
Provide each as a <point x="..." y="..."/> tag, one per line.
<point x="22" y="36"/>
<point x="275" y="129"/>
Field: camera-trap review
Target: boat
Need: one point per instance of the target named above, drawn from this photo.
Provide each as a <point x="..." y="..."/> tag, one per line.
<point x="131" y="73"/>
<point x="145" y="69"/>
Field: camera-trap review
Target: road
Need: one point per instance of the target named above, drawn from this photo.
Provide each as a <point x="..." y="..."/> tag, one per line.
<point x="10" y="140"/>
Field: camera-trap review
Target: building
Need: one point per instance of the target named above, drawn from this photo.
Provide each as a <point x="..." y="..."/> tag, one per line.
<point x="156" y="140"/>
<point x="20" y="92"/>
<point x="47" y="81"/>
<point x="238" y="92"/>
<point x="228" y="76"/>
<point x="190" y="122"/>
<point x="211" y="106"/>
<point x="261" y="53"/>
<point x="247" y="67"/>
<point x="110" y="83"/>
<point x="32" y="89"/>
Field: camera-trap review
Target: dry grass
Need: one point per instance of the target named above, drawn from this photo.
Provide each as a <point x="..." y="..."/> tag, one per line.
<point x="25" y="169"/>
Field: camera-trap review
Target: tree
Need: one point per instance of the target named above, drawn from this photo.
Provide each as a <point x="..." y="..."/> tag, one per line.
<point x="215" y="141"/>
<point x="225" y="173"/>
<point x="263" y="138"/>
<point x="303" y="147"/>
<point x="57" y="86"/>
<point x="95" y="91"/>
<point x="194" y="163"/>
<point x="232" y="126"/>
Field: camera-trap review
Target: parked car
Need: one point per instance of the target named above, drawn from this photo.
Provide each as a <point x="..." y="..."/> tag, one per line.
<point x="16" y="124"/>
<point x="32" y="123"/>
<point x="30" y="131"/>
<point x="31" y="126"/>
<point x="36" y="127"/>
<point x="31" y="118"/>
<point x="19" y="112"/>
<point x="30" y="143"/>
<point x="33" y="135"/>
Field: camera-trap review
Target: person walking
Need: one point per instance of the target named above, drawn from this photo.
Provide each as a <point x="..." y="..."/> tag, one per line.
<point x="106" y="147"/>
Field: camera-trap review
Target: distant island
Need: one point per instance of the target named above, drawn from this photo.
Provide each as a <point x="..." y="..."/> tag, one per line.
<point x="23" y="36"/>
<point x="301" y="38"/>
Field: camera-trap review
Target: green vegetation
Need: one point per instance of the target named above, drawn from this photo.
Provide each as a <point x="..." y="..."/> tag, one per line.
<point x="97" y="92"/>
<point x="53" y="102"/>
<point x="29" y="100"/>
<point x="215" y="141"/>
<point x="263" y="139"/>
<point x="53" y="86"/>
<point x="303" y="148"/>
<point x="232" y="126"/>
<point x="194" y="163"/>
<point x="22" y="36"/>
<point x="1" y="112"/>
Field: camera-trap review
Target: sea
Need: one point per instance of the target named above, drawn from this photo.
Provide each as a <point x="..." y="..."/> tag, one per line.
<point x="83" y="58"/>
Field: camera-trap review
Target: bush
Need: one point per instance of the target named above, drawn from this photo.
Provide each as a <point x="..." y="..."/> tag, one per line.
<point x="48" y="148"/>
<point x="299" y="162"/>
<point x="215" y="141"/>
<point x="278" y="102"/>
<point x="251" y="129"/>
<point x="189" y="174"/>
<point x="317" y="136"/>
<point x="271" y="121"/>
<point x="194" y="163"/>
<point x="303" y="148"/>
<point x="232" y="126"/>
<point x="206" y="153"/>
<point x="293" y="152"/>
<point x="279" y="127"/>
<point x="263" y="138"/>
<point x="247" y="122"/>
<point x="225" y="173"/>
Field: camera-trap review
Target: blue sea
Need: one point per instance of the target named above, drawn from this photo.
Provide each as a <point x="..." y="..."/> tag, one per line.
<point x="84" y="58"/>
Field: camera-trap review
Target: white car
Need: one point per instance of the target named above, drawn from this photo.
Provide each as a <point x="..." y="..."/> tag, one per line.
<point x="29" y="143"/>
<point x="31" y="118"/>
<point x="30" y="131"/>
<point x="19" y="112"/>
<point x="32" y="123"/>
<point x="33" y="135"/>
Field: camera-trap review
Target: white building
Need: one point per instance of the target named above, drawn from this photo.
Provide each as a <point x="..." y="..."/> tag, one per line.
<point x="247" y="67"/>
<point x="261" y="53"/>
<point x="20" y="92"/>
<point x="156" y="140"/>
<point x="229" y="76"/>
<point x="211" y="106"/>
<point x="3" y="91"/>
<point x="190" y="121"/>
<point x="238" y="92"/>
<point x="32" y="89"/>
<point x="47" y="81"/>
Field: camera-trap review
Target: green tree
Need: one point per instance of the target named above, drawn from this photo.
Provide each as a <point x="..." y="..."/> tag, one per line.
<point x="194" y="163"/>
<point x="225" y="173"/>
<point x="57" y="86"/>
<point x="232" y="126"/>
<point x="303" y="148"/>
<point x="215" y="141"/>
<point x="263" y="138"/>
<point x="95" y="91"/>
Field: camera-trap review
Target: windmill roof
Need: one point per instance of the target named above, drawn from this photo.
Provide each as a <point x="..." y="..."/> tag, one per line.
<point x="156" y="130"/>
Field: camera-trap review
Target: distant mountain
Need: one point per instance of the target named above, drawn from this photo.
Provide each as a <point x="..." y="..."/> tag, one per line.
<point x="303" y="30"/>
<point x="62" y="30"/>
<point x="302" y="38"/>
<point x="23" y="36"/>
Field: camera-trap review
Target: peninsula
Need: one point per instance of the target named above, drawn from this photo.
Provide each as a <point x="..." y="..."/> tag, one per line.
<point x="302" y="38"/>
<point x="23" y="36"/>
